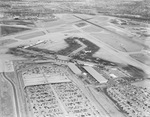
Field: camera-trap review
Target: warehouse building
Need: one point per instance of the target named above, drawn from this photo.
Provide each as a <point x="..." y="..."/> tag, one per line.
<point x="95" y="74"/>
<point x="74" y="68"/>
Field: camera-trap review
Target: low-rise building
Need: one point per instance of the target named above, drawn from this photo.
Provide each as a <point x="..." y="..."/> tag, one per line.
<point x="74" y="68"/>
<point x="95" y="74"/>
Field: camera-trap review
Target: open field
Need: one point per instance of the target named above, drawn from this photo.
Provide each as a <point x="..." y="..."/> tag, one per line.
<point x="67" y="17"/>
<point x="120" y="31"/>
<point x="85" y="16"/>
<point x="102" y="18"/>
<point x="100" y="21"/>
<point x="60" y="29"/>
<point x="91" y="29"/>
<point x="53" y="23"/>
<point x="106" y="55"/>
<point x="54" y="46"/>
<point x="73" y="31"/>
<point x="18" y="22"/>
<point x="143" y="58"/>
<point x="7" y="41"/>
<point x="118" y="42"/>
<point x="81" y="24"/>
<point x="31" y="35"/>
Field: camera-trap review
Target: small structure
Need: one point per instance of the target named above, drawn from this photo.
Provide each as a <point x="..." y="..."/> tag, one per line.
<point x="74" y="68"/>
<point x="113" y="76"/>
<point x="95" y="74"/>
<point x="65" y="58"/>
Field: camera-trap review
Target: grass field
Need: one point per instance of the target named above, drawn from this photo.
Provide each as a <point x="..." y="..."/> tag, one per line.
<point x="81" y="24"/>
<point x="99" y="22"/>
<point x="104" y="54"/>
<point x="59" y="29"/>
<point x="72" y="31"/>
<point x="102" y="18"/>
<point x="143" y="58"/>
<point x="67" y="17"/>
<point x="31" y="35"/>
<point x="53" y="23"/>
<point x="91" y="29"/>
<point x="117" y="42"/>
<point x="55" y="46"/>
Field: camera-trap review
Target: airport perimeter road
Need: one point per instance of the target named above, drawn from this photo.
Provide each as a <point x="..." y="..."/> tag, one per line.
<point x="15" y="94"/>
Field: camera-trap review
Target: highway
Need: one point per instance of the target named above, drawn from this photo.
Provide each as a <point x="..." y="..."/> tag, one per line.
<point x="15" y="94"/>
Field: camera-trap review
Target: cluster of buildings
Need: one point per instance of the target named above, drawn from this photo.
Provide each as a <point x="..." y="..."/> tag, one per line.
<point x="112" y="72"/>
<point x="133" y="100"/>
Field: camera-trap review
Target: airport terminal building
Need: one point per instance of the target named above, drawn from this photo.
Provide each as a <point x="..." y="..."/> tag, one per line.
<point x="74" y="68"/>
<point x="95" y="74"/>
